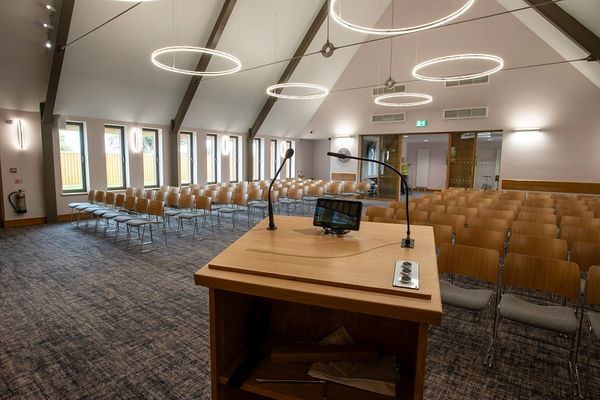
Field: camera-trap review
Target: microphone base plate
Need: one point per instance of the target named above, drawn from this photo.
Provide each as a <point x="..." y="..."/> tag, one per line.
<point x="408" y="243"/>
<point x="272" y="228"/>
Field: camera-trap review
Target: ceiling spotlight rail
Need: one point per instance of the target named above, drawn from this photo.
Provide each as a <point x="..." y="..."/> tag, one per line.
<point x="426" y="99"/>
<point x="398" y="31"/>
<point x="458" y="57"/>
<point x="193" y="49"/>
<point x="277" y="91"/>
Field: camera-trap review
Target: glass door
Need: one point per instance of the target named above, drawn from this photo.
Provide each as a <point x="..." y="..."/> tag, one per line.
<point x="487" y="166"/>
<point x="386" y="148"/>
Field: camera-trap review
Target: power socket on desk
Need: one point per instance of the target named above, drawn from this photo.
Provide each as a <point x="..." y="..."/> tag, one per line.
<point x="406" y="274"/>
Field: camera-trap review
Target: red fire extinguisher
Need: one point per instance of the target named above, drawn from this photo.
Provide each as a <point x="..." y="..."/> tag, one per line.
<point x="19" y="201"/>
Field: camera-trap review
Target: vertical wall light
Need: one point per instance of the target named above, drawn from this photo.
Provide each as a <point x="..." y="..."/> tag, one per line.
<point x="20" y="140"/>
<point x="137" y="140"/>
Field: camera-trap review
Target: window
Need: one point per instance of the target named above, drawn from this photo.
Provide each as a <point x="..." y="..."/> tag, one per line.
<point x="186" y="159"/>
<point x="211" y="158"/>
<point x="256" y="159"/>
<point x="114" y="148"/>
<point x="151" y="161"/>
<point x="291" y="162"/>
<point x="234" y="162"/>
<point x="274" y="158"/>
<point x="72" y="158"/>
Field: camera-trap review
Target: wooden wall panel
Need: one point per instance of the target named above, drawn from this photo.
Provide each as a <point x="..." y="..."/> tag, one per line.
<point x="551" y="186"/>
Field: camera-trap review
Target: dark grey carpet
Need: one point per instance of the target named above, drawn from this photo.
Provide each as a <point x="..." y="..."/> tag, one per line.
<point x="83" y="318"/>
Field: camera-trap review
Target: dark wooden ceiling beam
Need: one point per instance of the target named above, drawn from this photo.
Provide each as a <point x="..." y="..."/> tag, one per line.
<point x="47" y="108"/>
<point x="212" y="42"/>
<point x="568" y="25"/>
<point x="291" y="67"/>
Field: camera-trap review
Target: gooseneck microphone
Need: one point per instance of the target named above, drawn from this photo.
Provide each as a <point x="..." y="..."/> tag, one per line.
<point x="407" y="241"/>
<point x="288" y="155"/>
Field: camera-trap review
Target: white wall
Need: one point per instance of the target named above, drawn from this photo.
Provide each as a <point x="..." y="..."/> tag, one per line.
<point x="304" y="158"/>
<point x="321" y="162"/>
<point x="436" y="178"/>
<point x="27" y="161"/>
<point x="337" y="166"/>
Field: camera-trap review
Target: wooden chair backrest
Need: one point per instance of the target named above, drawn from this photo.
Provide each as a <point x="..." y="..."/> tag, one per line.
<point x="592" y="287"/>
<point x="172" y="199"/>
<point x="295" y="193"/>
<point x="490" y="224"/>
<point x="203" y="203"/>
<point x="381" y="212"/>
<point x="138" y="192"/>
<point x="149" y="194"/>
<point x="498" y="214"/>
<point x="254" y="194"/>
<point x="545" y="274"/>
<point x="129" y="204"/>
<point x="363" y="186"/>
<point x="586" y="222"/>
<point x="520" y="196"/>
<point x="334" y="188"/>
<point x="543" y="218"/>
<point x="109" y="199"/>
<point x="538" y="246"/>
<point x="469" y="261"/>
<point x="539" y="202"/>
<point x="91" y="196"/>
<point x="535" y="229"/>
<point x="119" y="200"/>
<point x="431" y="208"/>
<point x="581" y="234"/>
<point x="186" y="201"/>
<point x="539" y="195"/>
<point x="456" y="221"/>
<point x="99" y="196"/>
<point x="415" y="216"/>
<point x="156" y="208"/>
<point x="570" y="213"/>
<point x="224" y="197"/>
<point x="442" y="234"/>
<point x="316" y="191"/>
<point x="197" y="192"/>
<point x="174" y="189"/>
<point x="141" y="205"/>
<point x="129" y="192"/>
<point x="481" y="238"/>
<point x="563" y="196"/>
<point x="349" y="187"/>
<point x="538" y="210"/>
<point x="400" y="205"/>
<point x="502" y="206"/>
<point x="585" y="254"/>
<point x="160" y="196"/>
<point x="185" y="190"/>
<point x="164" y="188"/>
<point x="468" y="212"/>
<point x="240" y="199"/>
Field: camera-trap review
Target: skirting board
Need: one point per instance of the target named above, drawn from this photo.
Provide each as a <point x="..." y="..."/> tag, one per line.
<point x="551" y="186"/>
<point x="14" y="223"/>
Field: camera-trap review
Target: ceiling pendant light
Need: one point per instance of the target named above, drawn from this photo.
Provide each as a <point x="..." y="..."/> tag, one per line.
<point x="398" y="31"/>
<point x="276" y="91"/>
<point x="426" y="99"/>
<point x="458" y="57"/>
<point x="193" y="49"/>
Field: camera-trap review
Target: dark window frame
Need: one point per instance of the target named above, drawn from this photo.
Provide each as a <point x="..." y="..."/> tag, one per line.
<point x="191" y="142"/>
<point x="157" y="158"/>
<point x="123" y="157"/>
<point x="83" y="189"/>
<point x="213" y="138"/>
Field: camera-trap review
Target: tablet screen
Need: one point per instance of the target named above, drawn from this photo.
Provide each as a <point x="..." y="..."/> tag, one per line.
<point x="338" y="214"/>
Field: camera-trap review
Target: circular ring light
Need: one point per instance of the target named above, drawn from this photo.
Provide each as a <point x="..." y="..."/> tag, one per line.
<point x="323" y="91"/>
<point x="193" y="49"/>
<point x="398" y="31"/>
<point x="380" y="99"/>
<point x="458" y="57"/>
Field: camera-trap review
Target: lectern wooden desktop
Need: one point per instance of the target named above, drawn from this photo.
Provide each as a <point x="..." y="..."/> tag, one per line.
<point x="313" y="284"/>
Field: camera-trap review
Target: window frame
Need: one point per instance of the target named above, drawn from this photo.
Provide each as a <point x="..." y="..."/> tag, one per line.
<point x="257" y="158"/>
<point x="191" y="148"/>
<point x="123" y="157"/>
<point x="234" y="152"/>
<point x="83" y="164"/>
<point x="213" y="138"/>
<point x="157" y="158"/>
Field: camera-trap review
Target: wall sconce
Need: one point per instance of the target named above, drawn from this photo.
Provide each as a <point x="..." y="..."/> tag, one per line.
<point x="225" y="145"/>
<point x="20" y="134"/>
<point x="137" y="140"/>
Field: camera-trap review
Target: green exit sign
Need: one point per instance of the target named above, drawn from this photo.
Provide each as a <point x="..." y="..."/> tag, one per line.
<point x="421" y="123"/>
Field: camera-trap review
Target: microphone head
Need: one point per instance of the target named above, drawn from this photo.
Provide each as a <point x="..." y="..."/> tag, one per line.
<point x="289" y="153"/>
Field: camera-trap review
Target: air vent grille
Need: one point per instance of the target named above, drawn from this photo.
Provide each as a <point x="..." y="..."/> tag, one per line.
<point x="388" y="118"/>
<point x="468" y="82"/>
<point x="466" y="113"/>
<point x="398" y="88"/>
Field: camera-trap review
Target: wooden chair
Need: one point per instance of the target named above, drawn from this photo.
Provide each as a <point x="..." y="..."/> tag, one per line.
<point x="135" y="207"/>
<point x="312" y="195"/>
<point x="154" y="217"/>
<point x="543" y="218"/>
<point x="586" y="222"/>
<point x="478" y="263"/>
<point x="481" y="238"/>
<point x="519" y="196"/>
<point x="442" y="234"/>
<point x="202" y="211"/>
<point x="456" y="221"/>
<point x="539" y="195"/>
<point x="539" y="202"/>
<point x="362" y="189"/>
<point x="431" y="208"/>
<point x="490" y="224"/>
<point x="560" y="214"/>
<point x="585" y="254"/>
<point x="468" y="212"/>
<point x="575" y="233"/>
<point x="538" y="210"/>
<point x="538" y="246"/>
<point x="535" y="229"/>
<point x="239" y="203"/>
<point x="592" y="297"/>
<point x="511" y="205"/>
<point x="381" y="212"/>
<point x="556" y="277"/>
<point x="400" y="205"/>
<point x="415" y="216"/>
<point x="294" y="198"/>
<point x="498" y="214"/>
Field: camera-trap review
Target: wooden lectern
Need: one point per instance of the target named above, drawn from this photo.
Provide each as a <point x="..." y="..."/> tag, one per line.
<point x="314" y="283"/>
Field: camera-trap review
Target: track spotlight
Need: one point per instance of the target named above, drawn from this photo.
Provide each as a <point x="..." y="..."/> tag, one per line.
<point x="48" y="26"/>
<point x="48" y="44"/>
<point x="50" y="8"/>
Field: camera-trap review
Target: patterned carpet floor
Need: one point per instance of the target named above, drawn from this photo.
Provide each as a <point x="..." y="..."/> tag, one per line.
<point x="81" y="317"/>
